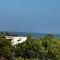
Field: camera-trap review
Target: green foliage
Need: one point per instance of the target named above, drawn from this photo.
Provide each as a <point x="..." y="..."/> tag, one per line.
<point x="19" y="58"/>
<point x="6" y="48"/>
<point x="45" y="48"/>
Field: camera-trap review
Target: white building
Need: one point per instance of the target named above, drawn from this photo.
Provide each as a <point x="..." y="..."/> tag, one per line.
<point x="15" y="40"/>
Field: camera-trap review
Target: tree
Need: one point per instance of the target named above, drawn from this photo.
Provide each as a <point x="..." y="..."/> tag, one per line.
<point x="6" y="48"/>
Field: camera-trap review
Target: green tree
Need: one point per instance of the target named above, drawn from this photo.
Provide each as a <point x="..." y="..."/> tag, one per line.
<point x="6" y="49"/>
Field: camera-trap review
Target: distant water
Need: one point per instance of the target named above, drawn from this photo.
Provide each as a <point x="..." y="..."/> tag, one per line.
<point x="35" y="35"/>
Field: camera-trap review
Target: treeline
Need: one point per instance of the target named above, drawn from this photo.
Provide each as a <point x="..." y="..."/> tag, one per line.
<point x="43" y="48"/>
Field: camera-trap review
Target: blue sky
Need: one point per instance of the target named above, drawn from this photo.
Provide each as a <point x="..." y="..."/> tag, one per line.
<point x="42" y="16"/>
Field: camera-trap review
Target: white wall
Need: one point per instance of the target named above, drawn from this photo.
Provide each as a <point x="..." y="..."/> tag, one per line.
<point x="17" y="40"/>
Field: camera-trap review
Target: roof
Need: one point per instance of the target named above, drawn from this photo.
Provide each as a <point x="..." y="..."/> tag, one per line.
<point x="9" y="37"/>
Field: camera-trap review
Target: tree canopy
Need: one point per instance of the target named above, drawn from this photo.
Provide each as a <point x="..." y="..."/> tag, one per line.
<point x="44" y="48"/>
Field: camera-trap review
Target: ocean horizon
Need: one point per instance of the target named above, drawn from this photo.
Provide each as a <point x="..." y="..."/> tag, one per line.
<point x="35" y="35"/>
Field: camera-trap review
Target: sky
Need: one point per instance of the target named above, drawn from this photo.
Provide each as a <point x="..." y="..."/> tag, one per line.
<point x="39" y="16"/>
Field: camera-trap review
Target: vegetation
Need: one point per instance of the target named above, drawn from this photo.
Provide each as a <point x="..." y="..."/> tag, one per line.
<point x="44" y="48"/>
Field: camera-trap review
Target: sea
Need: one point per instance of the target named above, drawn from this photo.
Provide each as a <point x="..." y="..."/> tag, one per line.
<point x="34" y="35"/>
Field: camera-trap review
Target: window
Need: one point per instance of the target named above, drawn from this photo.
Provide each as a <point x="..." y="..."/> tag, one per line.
<point x="19" y="40"/>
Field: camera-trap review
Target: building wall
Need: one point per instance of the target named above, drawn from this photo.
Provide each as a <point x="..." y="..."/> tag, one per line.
<point x="17" y="40"/>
